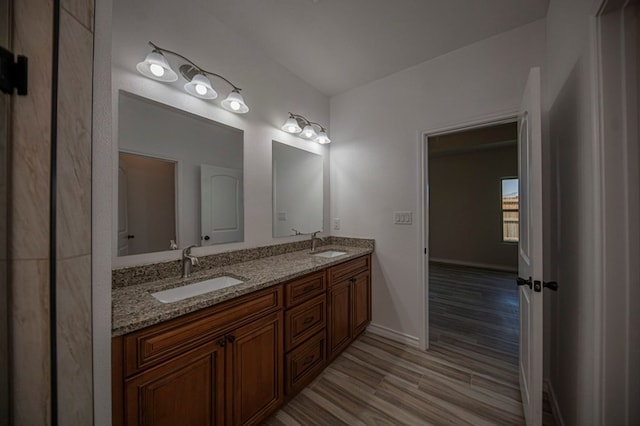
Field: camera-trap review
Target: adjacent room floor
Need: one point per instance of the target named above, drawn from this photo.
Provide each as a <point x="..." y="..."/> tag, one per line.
<point x="467" y="377"/>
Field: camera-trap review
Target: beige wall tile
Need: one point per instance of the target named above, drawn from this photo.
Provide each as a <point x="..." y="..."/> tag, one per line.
<point x="82" y="10"/>
<point x="30" y="155"/>
<point x="74" y="139"/>
<point x="29" y="344"/>
<point x="73" y="329"/>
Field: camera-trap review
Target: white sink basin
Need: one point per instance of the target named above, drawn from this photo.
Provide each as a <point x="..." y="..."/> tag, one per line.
<point x="195" y="289"/>
<point x="330" y="253"/>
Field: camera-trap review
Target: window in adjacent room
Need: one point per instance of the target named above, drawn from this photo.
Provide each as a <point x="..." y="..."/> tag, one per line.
<point x="509" y="203"/>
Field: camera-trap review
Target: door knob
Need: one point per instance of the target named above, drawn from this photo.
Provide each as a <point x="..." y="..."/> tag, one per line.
<point x="130" y="237"/>
<point x="551" y="285"/>
<point x="207" y="238"/>
<point x="522" y="281"/>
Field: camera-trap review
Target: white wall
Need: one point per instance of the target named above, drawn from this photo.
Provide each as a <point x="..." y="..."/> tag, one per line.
<point x="574" y="340"/>
<point x="375" y="155"/>
<point x="594" y="370"/>
<point x="270" y="90"/>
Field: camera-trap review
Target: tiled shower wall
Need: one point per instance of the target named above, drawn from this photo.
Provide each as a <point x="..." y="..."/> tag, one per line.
<point x="29" y="234"/>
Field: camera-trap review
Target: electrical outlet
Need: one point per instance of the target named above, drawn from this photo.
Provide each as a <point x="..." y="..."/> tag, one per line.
<point x="336" y="224"/>
<point x="402" y="218"/>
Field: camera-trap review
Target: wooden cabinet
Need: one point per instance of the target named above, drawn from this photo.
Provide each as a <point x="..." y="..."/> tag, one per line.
<point x="188" y="390"/>
<point x="234" y="363"/>
<point x="256" y="368"/>
<point x="349" y="303"/>
<point x="222" y="365"/>
<point x="305" y="323"/>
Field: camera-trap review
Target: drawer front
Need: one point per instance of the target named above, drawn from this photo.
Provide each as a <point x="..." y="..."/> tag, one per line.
<point x="304" y="288"/>
<point x="305" y="362"/>
<point x="348" y="269"/>
<point x="157" y="343"/>
<point x="305" y="320"/>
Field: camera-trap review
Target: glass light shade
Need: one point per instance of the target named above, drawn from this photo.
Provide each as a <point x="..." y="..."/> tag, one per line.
<point x="200" y="87"/>
<point x="155" y="66"/>
<point x="235" y="103"/>
<point x="309" y="132"/>
<point x="291" y="126"/>
<point x="323" y="138"/>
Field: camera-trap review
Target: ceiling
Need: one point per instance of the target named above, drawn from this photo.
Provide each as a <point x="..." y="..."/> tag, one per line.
<point x="336" y="45"/>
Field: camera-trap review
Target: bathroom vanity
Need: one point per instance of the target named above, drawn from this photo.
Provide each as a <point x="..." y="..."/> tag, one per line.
<point x="235" y="355"/>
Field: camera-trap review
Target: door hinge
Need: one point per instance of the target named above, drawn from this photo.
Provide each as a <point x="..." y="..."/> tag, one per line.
<point x="13" y="74"/>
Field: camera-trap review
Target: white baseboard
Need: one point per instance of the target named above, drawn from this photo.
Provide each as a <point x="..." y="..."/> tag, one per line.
<point x="475" y="264"/>
<point x="555" y="408"/>
<point x="394" y="335"/>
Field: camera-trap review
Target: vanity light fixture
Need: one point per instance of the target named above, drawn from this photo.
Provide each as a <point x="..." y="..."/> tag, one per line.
<point x="156" y="66"/>
<point x="298" y="125"/>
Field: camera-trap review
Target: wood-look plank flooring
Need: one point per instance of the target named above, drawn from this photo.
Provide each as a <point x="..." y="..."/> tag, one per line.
<point x="467" y="377"/>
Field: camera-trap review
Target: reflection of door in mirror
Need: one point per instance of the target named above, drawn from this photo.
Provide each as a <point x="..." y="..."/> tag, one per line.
<point x="297" y="190"/>
<point x="146" y="204"/>
<point x="221" y="200"/>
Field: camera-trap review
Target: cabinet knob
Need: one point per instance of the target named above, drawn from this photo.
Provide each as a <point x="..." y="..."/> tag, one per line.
<point x="231" y="339"/>
<point x="222" y="342"/>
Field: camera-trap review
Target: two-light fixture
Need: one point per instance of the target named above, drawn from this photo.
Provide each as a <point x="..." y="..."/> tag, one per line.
<point x="156" y="66"/>
<point x="298" y="125"/>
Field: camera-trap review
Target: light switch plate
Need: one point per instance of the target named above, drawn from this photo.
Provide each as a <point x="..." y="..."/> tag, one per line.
<point x="282" y="216"/>
<point x="403" y="218"/>
<point x="336" y="224"/>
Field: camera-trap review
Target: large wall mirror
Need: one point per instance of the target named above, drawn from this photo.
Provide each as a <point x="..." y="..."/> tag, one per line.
<point x="180" y="179"/>
<point x="297" y="190"/>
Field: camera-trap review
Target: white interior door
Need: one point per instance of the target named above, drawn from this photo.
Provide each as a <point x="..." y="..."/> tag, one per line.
<point x="530" y="250"/>
<point x="123" y="216"/>
<point x="222" y="205"/>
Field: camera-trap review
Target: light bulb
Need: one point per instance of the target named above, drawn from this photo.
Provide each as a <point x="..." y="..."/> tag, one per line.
<point x="291" y="129"/>
<point x="200" y="89"/>
<point x="234" y="105"/>
<point x="156" y="70"/>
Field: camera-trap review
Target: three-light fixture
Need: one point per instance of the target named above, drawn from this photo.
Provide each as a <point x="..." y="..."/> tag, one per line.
<point x="156" y="66"/>
<point x="298" y="125"/>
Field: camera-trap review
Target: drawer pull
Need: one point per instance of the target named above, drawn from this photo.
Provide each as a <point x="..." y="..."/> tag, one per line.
<point x="307" y="321"/>
<point x="308" y="360"/>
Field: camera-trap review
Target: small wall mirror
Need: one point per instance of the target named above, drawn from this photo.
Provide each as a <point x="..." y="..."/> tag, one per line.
<point x="180" y="179"/>
<point x="297" y="190"/>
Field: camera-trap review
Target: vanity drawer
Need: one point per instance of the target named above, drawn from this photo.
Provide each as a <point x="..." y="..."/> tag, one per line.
<point x="349" y="268"/>
<point x="157" y="343"/>
<point x="304" y="320"/>
<point x="305" y="362"/>
<point x="305" y="288"/>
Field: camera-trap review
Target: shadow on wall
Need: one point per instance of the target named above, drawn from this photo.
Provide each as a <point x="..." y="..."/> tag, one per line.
<point x="572" y="319"/>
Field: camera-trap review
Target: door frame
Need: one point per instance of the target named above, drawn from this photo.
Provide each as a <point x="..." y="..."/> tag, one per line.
<point x="506" y="116"/>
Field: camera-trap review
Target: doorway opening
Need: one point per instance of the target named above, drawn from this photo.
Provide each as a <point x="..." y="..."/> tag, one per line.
<point x="472" y="221"/>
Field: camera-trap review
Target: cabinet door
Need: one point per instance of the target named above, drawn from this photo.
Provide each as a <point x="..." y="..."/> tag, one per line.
<point x="361" y="302"/>
<point x="256" y="367"/>
<point x="188" y="390"/>
<point x="339" y="317"/>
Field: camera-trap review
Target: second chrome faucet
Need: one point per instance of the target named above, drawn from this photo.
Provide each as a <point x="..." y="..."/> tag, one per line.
<point x="188" y="260"/>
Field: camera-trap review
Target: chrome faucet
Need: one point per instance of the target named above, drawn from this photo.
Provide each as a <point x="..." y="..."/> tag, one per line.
<point x="314" y="240"/>
<point x="188" y="260"/>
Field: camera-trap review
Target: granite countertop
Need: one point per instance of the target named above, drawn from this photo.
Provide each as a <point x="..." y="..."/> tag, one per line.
<point x="133" y="307"/>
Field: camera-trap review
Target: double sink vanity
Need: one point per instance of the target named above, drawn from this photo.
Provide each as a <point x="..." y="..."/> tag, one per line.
<point x="221" y="338"/>
<point x="244" y="333"/>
